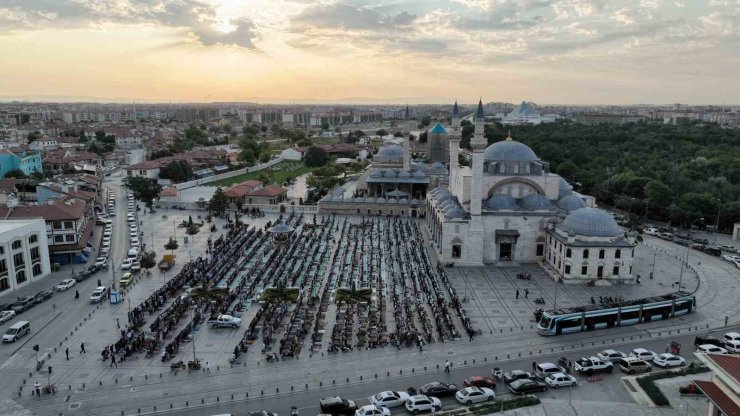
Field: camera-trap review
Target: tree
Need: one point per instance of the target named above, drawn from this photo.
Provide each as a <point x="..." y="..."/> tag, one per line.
<point x="381" y="132"/>
<point x="264" y="158"/>
<point x="658" y="194"/>
<point x="15" y="173"/>
<point x="219" y="202"/>
<point x="325" y="126"/>
<point x="171" y="244"/>
<point x="33" y="136"/>
<point x="176" y="171"/>
<point x="280" y="294"/>
<point x="353" y="294"/>
<point x="144" y="189"/>
<point x="148" y="259"/>
<point x="315" y="157"/>
<point x="398" y="134"/>
<point x="207" y="293"/>
<point x="426" y="121"/>
<point x="161" y="153"/>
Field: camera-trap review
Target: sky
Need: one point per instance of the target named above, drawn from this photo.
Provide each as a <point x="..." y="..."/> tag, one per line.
<point x="416" y="51"/>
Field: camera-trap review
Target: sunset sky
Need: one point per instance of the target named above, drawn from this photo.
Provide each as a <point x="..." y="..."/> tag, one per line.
<point x="547" y="51"/>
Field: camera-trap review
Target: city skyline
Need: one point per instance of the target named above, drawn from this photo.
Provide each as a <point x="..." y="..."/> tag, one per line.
<point x="556" y="52"/>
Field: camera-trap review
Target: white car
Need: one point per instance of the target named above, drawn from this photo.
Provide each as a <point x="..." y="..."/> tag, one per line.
<point x="731" y="258"/>
<point x="470" y="395"/>
<point x="611" y="355"/>
<point x="65" y="284"/>
<point x="709" y="348"/>
<point x="126" y="265"/>
<point x="643" y="354"/>
<point x="135" y="266"/>
<point x="560" y="380"/>
<point x="100" y="261"/>
<point x="669" y="360"/>
<point x="5" y="316"/>
<point x="99" y="294"/>
<point x="372" y="410"/>
<point x="422" y="403"/>
<point x="389" y="398"/>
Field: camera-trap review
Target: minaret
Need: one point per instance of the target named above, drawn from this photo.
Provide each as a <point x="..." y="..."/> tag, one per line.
<point x="478" y="144"/>
<point x="455" y="137"/>
<point x="407" y="141"/>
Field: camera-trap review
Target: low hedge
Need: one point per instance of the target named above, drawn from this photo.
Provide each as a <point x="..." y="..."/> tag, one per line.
<point x="651" y="389"/>
<point x="509" y="404"/>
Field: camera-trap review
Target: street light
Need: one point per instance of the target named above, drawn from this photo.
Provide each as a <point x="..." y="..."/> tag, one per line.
<point x="691" y="230"/>
<point x="716" y="225"/>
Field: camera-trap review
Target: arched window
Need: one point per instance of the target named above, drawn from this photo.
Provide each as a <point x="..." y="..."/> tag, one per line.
<point x="585" y="254"/>
<point x="20" y="277"/>
<point x="17" y="244"/>
<point x="526" y="168"/>
<point x="32" y="239"/>
<point x="36" y="270"/>
<point x="4" y="285"/>
<point x="516" y="168"/>
<point x="501" y="168"/>
<point x="601" y="254"/>
<point x="567" y="253"/>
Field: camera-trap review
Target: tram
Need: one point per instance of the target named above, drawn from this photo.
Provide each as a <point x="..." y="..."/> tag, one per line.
<point x="592" y="317"/>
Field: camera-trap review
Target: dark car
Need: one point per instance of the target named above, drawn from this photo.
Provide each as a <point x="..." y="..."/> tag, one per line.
<point x="43" y="295"/>
<point x="714" y="251"/>
<point x="337" y="406"/>
<point x="526" y="385"/>
<point x="261" y="413"/>
<point x="23" y="304"/>
<point x="514" y="375"/>
<point x="708" y="339"/>
<point x="701" y="241"/>
<point x="6" y="307"/>
<point x="438" y="389"/>
<point x="478" y="381"/>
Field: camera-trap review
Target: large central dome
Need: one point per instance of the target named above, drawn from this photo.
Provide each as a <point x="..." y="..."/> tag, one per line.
<point x="510" y="150"/>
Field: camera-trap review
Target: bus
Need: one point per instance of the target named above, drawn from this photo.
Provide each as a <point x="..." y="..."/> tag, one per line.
<point x="591" y="317"/>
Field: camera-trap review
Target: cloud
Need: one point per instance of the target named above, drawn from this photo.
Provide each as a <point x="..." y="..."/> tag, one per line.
<point x="196" y="16"/>
<point x="339" y="16"/>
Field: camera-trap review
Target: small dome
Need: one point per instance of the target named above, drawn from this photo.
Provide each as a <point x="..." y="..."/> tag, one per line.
<point x="454" y="214"/>
<point x="358" y="199"/>
<point x="501" y="201"/>
<point x="419" y="174"/>
<point x="590" y="222"/>
<point x="404" y="174"/>
<point x="369" y="200"/>
<point x="403" y="201"/>
<point x="571" y="203"/>
<point x="376" y="174"/>
<point x="414" y="201"/>
<point x="381" y="201"/>
<point x="438" y="166"/>
<point x="535" y="201"/>
<point x="444" y="197"/>
<point x="449" y="206"/>
<point x="564" y="188"/>
<point x="390" y="151"/>
<point x="511" y="150"/>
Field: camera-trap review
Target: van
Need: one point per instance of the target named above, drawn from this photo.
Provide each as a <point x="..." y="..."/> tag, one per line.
<point x="16" y="331"/>
<point x="651" y="231"/>
<point x="731" y="336"/>
<point x="733" y="347"/>
<point x="542" y="370"/>
<point x="632" y="365"/>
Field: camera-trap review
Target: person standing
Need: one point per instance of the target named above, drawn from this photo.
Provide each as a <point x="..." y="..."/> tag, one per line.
<point x="447" y="366"/>
<point x="113" y="361"/>
<point x="208" y="367"/>
<point x="66" y="351"/>
<point x="517" y="293"/>
<point x="82" y="348"/>
<point x="526" y="293"/>
<point x="37" y="388"/>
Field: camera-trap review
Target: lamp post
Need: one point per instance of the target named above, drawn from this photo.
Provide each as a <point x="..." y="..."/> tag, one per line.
<point x="691" y="230"/>
<point x="716" y="224"/>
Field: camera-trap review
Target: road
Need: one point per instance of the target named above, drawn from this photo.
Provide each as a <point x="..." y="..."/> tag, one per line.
<point x="608" y="389"/>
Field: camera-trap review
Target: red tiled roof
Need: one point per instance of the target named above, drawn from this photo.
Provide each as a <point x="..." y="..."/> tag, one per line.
<point x="242" y="189"/>
<point x="63" y="209"/>
<point x="172" y="191"/>
<point x="718" y="397"/>
<point x="729" y="363"/>
<point x="271" y="190"/>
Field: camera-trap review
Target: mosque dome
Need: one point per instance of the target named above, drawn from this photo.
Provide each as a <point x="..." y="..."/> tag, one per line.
<point x="390" y="151"/>
<point x="376" y="174"/>
<point x="454" y="214"/>
<point x="358" y="199"/>
<point x="501" y="201"/>
<point x="444" y="197"/>
<point x="403" y="201"/>
<point x="438" y="166"/>
<point x="419" y="174"/>
<point x="381" y="200"/>
<point x="571" y="203"/>
<point x="509" y="150"/>
<point x="590" y="222"/>
<point x="535" y="201"/>
<point x="389" y="174"/>
<point x="414" y="201"/>
<point x="438" y="129"/>
<point x="564" y="188"/>
<point x="404" y="174"/>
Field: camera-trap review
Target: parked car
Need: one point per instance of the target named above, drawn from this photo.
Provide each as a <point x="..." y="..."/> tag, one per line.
<point x="224" y="321"/>
<point x="126" y="265"/>
<point x="669" y="360"/>
<point x="101" y="261"/>
<point x="438" y="389"/>
<point x="542" y="370"/>
<point x="632" y="365"/>
<point x="514" y="375"/>
<point x="560" y="380"/>
<point x="526" y="385"/>
<point x="478" y="381"/>
<point x="590" y="365"/>
<point x="372" y="410"/>
<point x="733" y="347"/>
<point x="643" y="354"/>
<point x="126" y="279"/>
<point x="337" y="406"/>
<point x="5" y="316"/>
<point x="731" y="258"/>
<point x="707" y="339"/>
<point x="731" y="336"/>
<point x="43" y="295"/>
<point x="390" y="398"/>
<point x="23" y="304"/>
<point x="135" y="266"/>
<point x="421" y="403"/>
<point x="470" y="395"/>
<point x="99" y="294"/>
<point x="65" y="284"/>
<point x="611" y="355"/>
<point x="709" y="348"/>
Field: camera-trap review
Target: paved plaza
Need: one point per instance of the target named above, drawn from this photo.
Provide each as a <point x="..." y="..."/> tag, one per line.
<point x="487" y="303"/>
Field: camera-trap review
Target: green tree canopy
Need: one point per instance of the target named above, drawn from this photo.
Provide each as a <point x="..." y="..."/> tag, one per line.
<point x="176" y="171"/>
<point x="315" y="157"/>
<point x="144" y="189"/>
<point x="381" y="132"/>
<point x="15" y="173"/>
<point x="219" y="202"/>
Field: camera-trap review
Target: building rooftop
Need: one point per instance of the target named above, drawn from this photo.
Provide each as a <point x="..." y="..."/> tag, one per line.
<point x="10" y="225"/>
<point x="590" y="222"/>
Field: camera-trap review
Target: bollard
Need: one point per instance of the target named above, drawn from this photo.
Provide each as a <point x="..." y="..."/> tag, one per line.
<point x="347" y="380"/>
<point x="202" y="401"/>
<point x="55" y="350"/>
<point x="155" y="408"/>
<point x="485" y="359"/>
<point x="501" y="331"/>
<point x="83" y="385"/>
<point x="412" y="371"/>
<point x="116" y="381"/>
<point x="19" y="394"/>
<point x="146" y="377"/>
<point x="495" y="358"/>
<point x="361" y="377"/>
<point x="400" y="372"/>
<point x="306" y="386"/>
<point x="131" y="378"/>
<point x="101" y="382"/>
<point x="186" y="403"/>
<point x="138" y="410"/>
<point x="465" y="362"/>
<point x="520" y="354"/>
<point x="217" y="368"/>
<point x="122" y="413"/>
<point x="160" y="375"/>
<point x="70" y="387"/>
<point x="170" y="405"/>
<point x="262" y="392"/>
<point x="291" y="389"/>
<point x="218" y="399"/>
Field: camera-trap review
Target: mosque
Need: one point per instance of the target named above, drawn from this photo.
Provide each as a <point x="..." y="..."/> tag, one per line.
<point x="507" y="207"/>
